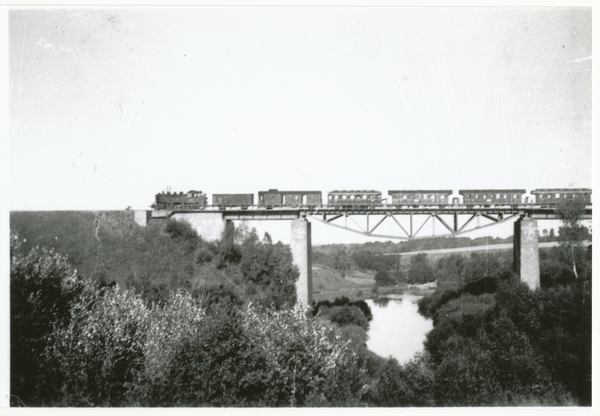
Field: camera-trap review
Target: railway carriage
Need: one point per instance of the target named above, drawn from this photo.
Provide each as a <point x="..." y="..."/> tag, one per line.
<point x="556" y="196"/>
<point x="189" y="200"/>
<point x="274" y="197"/>
<point x="492" y="196"/>
<point x="420" y="197"/>
<point x="354" y="198"/>
<point x="233" y="200"/>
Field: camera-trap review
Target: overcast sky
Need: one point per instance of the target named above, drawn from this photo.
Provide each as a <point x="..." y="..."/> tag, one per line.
<point x="110" y="106"/>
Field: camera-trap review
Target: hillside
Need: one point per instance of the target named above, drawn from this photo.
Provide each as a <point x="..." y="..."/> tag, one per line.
<point x="108" y="246"/>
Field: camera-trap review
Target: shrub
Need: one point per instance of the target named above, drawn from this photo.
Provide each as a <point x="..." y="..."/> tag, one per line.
<point x="101" y="351"/>
<point x="210" y="362"/>
<point x="383" y="278"/>
<point x="346" y="315"/>
<point x="181" y="229"/>
<point x="306" y="359"/>
<point x="204" y="255"/>
<point x="42" y="289"/>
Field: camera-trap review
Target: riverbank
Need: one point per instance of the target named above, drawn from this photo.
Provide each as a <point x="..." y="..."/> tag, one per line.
<point x="329" y="284"/>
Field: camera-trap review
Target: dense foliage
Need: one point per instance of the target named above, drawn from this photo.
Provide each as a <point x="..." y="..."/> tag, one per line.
<point x="222" y="331"/>
<point x="512" y="346"/>
<point x="110" y="248"/>
<point x="344" y="312"/>
<point x="495" y="341"/>
<point x="108" y="347"/>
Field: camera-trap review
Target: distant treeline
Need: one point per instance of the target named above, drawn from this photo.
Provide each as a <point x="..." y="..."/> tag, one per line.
<point x="391" y="270"/>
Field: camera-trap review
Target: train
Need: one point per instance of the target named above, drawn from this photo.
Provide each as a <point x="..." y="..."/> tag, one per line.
<point x="358" y="199"/>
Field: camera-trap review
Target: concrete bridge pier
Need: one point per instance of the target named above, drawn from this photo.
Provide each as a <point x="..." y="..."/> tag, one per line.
<point x="301" y="248"/>
<point x="526" y="254"/>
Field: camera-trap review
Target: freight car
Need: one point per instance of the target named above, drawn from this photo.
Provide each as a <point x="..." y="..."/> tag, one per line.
<point x="224" y="201"/>
<point x="547" y="197"/>
<point x="189" y="200"/>
<point x="273" y="198"/>
<point x="354" y="198"/>
<point x="420" y="197"/>
<point x="492" y="196"/>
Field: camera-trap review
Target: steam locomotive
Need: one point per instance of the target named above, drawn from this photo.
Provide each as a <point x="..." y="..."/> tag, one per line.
<point x="274" y="198"/>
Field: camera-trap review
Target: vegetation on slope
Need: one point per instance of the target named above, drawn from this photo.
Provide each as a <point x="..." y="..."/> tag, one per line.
<point x="221" y="331"/>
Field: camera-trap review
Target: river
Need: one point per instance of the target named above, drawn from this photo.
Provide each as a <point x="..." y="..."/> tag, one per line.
<point x="397" y="329"/>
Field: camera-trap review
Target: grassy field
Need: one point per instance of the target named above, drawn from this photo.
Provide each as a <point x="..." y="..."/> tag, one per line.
<point x="329" y="284"/>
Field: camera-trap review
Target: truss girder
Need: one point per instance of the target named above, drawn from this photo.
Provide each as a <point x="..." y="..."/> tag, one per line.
<point x="409" y="235"/>
<point x="495" y="215"/>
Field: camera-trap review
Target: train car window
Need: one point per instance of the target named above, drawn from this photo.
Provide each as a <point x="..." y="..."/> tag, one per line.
<point x="558" y="195"/>
<point x="283" y="199"/>
<point x="304" y="199"/>
<point x="343" y="196"/>
<point x="404" y="197"/>
<point x="364" y="197"/>
<point x="351" y="196"/>
<point x="497" y="196"/>
<point x="504" y="196"/>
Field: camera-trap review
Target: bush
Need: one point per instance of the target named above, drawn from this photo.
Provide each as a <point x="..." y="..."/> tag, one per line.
<point x="43" y="287"/>
<point x="212" y="364"/>
<point x="383" y="278"/>
<point x="345" y="315"/>
<point x="101" y="352"/>
<point x="306" y="360"/>
<point x="181" y="229"/>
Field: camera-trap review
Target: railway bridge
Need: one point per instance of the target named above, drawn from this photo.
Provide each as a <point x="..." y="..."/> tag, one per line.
<point x="409" y="223"/>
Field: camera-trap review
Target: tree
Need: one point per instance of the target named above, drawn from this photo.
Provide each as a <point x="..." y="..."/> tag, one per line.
<point x="383" y="278"/>
<point x="420" y="270"/>
<point x="267" y="239"/>
<point x="572" y="233"/>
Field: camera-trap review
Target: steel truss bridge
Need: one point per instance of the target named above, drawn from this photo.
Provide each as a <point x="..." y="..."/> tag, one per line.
<point x="408" y="222"/>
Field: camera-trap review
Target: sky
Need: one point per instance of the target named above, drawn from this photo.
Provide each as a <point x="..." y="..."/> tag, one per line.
<point x="109" y="106"/>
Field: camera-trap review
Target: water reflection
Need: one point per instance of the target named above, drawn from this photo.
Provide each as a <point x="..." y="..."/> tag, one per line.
<point x="397" y="329"/>
<point x="381" y="301"/>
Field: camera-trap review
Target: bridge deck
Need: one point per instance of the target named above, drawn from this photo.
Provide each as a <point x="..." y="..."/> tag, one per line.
<point x="258" y="212"/>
